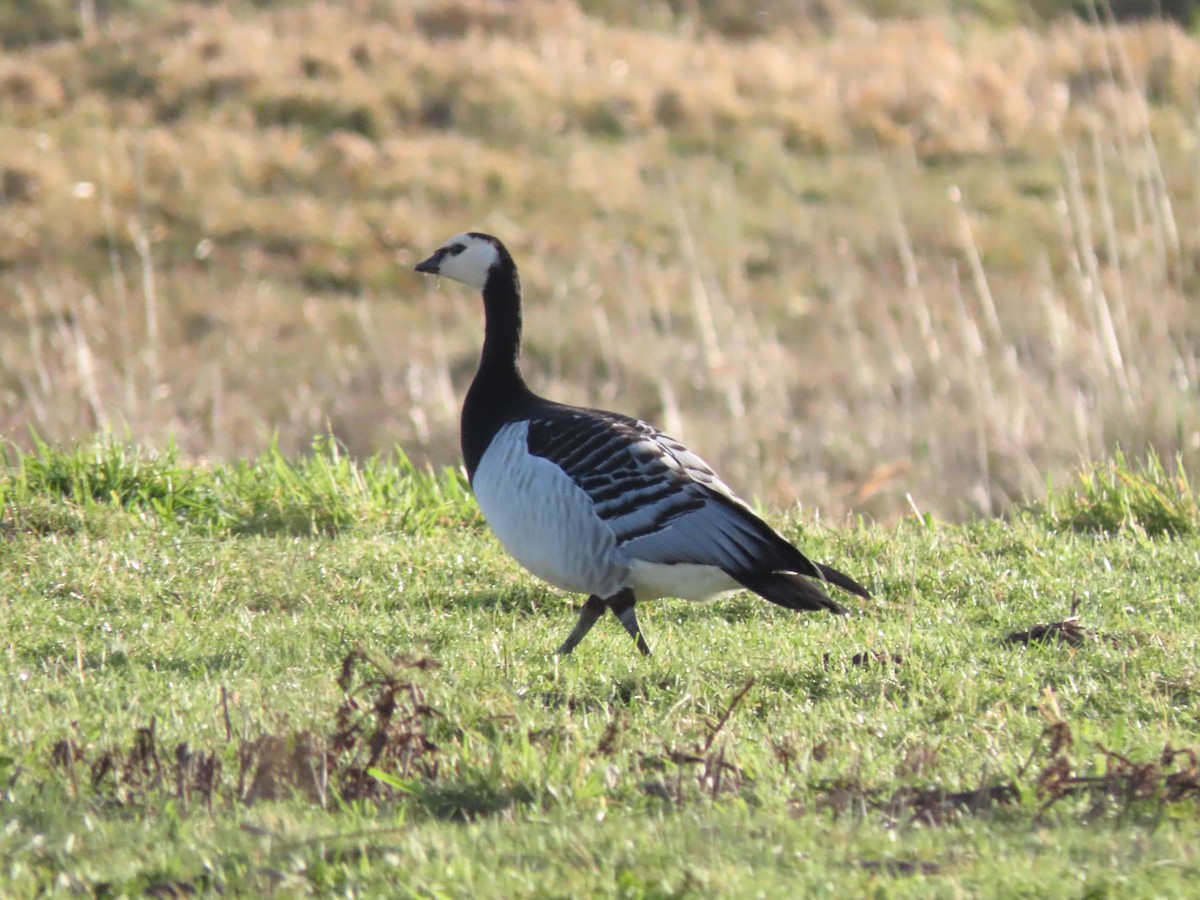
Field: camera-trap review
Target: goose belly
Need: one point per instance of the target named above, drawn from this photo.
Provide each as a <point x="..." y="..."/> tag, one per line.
<point x="687" y="581"/>
<point x="544" y="520"/>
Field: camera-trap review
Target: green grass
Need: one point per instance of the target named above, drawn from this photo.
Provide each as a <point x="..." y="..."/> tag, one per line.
<point x="1118" y="496"/>
<point x="324" y="492"/>
<point x="908" y="750"/>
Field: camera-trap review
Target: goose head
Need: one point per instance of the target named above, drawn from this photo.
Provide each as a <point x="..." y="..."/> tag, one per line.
<point x="469" y="258"/>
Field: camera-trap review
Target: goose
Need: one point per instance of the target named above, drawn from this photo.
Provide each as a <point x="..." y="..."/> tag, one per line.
<point x="599" y="503"/>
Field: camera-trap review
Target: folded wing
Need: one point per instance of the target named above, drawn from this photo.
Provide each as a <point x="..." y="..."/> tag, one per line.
<point x="664" y="503"/>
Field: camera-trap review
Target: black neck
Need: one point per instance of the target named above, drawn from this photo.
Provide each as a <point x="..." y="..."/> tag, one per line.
<point x="502" y="324"/>
<point x="499" y="393"/>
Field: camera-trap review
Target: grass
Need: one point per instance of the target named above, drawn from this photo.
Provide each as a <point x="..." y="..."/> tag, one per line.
<point x="1117" y="496"/>
<point x="323" y="493"/>
<point x="947" y="276"/>
<point x="322" y="676"/>
<point x="917" y="288"/>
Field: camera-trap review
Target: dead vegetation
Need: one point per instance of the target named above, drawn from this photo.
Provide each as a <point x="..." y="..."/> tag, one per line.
<point x="702" y="769"/>
<point x="901" y="866"/>
<point x="867" y="658"/>
<point x="381" y="726"/>
<point x="379" y="748"/>
<point x="945" y="275"/>
<point x="1069" y="631"/>
<point x="1124" y="787"/>
<point x="1125" y="783"/>
<point x="909" y="805"/>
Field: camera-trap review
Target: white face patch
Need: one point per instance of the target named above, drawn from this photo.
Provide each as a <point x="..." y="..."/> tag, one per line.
<point x="467" y="259"/>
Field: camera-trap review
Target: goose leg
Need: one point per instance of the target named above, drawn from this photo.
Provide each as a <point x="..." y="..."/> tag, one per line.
<point x="592" y="610"/>
<point x="622" y="606"/>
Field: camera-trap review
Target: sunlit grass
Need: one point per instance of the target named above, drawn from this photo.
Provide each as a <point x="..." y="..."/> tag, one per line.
<point x="324" y="492"/>
<point x="904" y="748"/>
<point x="1115" y="496"/>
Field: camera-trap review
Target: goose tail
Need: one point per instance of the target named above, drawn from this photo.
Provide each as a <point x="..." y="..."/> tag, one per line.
<point x="842" y="580"/>
<point x="790" y="591"/>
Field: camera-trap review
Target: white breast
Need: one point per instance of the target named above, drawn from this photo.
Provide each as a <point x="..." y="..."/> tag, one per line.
<point x="544" y="520"/>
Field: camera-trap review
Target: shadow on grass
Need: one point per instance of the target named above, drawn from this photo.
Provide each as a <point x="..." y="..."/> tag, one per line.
<point x="466" y="799"/>
<point x="502" y="601"/>
<point x="824" y="678"/>
<point x="606" y="694"/>
<point x="207" y="663"/>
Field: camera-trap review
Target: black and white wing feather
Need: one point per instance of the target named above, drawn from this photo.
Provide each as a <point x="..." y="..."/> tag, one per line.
<point x="664" y="504"/>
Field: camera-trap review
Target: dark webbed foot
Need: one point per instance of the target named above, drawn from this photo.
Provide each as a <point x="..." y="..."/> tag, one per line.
<point x="622" y="606"/>
<point x="592" y="610"/>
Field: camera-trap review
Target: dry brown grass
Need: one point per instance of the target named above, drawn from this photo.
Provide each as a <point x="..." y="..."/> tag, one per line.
<point x="928" y="258"/>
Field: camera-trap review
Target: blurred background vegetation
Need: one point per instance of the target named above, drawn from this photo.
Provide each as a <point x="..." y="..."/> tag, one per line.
<point x="869" y="256"/>
<point x="24" y="22"/>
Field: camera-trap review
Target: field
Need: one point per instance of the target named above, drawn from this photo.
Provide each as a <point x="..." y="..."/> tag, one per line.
<point x="927" y="269"/>
<point x="282" y="678"/>
<point x="853" y="275"/>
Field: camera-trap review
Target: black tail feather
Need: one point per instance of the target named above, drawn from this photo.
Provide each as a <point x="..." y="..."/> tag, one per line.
<point x="842" y="580"/>
<point x="791" y="591"/>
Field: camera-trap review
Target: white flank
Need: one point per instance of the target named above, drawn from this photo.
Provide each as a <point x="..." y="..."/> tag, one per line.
<point x="550" y="526"/>
<point x="544" y="520"/>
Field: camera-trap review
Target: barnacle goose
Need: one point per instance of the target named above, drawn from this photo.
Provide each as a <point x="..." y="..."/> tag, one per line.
<point x="598" y="503"/>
